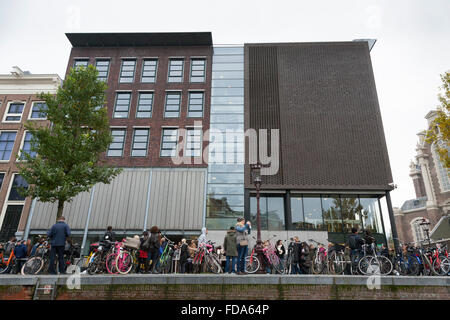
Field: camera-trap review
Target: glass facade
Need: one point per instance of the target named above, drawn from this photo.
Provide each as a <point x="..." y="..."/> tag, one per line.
<point x="225" y="198"/>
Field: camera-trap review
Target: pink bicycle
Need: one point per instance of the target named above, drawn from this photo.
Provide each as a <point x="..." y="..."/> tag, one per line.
<point x="112" y="257"/>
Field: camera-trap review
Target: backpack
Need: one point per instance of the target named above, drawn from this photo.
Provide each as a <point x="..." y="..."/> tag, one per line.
<point x="146" y="244"/>
<point x="154" y="241"/>
<point x="352" y="242"/>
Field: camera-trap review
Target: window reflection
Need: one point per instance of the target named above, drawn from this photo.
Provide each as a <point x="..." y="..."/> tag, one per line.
<point x="272" y="213"/>
<point x="371" y="216"/>
<point x="313" y="213"/>
<point x="350" y="213"/>
<point x="331" y="213"/>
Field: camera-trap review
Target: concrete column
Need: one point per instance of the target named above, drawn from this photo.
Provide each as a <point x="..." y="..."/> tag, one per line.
<point x="431" y="198"/>
<point x="392" y="220"/>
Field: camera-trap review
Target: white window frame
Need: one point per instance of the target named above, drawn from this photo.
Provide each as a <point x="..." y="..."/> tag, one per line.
<point x="21" y="147"/>
<point x="10" y="202"/>
<point x="132" y="142"/>
<point x="162" y="137"/>
<point x="31" y="112"/>
<point x="7" y="109"/>
<point x="12" y="150"/>
<point x="198" y="128"/>
<point x="124" y="142"/>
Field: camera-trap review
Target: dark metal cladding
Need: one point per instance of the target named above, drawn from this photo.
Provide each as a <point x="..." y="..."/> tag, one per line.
<point x="140" y="39"/>
<point x="322" y="97"/>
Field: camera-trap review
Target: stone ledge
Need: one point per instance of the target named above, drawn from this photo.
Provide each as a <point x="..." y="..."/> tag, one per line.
<point x="179" y="279"/>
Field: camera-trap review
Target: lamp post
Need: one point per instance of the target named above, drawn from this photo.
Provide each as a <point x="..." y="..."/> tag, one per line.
<point x="256" y="179"/>
<point x="426" y="227"/>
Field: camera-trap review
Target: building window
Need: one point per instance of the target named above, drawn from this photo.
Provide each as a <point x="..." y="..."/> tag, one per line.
<point x="18" y="183"/>
<point x="27" y="146"/>
<point x="81" y="63"/>
<point x="175" y="70"/>
<point x="116" y="147"/>
<point x="331" y="210"/>
<point x="370" y="214"/>
<point x="7" y="139"/>
<point x="39" y="111"/>
<point x="14" y="113"/>
<point x="306" y="213"/>
<point x="169" y="142"/>
<point x="173" y="103"/>
<point x="140" y="143"/>
<point x="2" y="177"/>
<point x="122" y="105"/>
<point x="145" y="105"/>
<point x="198" y="70"/>
<point x="149" y="68"/>
<point x="127" y="71"/>
<point x="272" y="213"/>
<point x="103" y="69"/>
<point x="193" y="143"/>
<point x="195" y="108"/>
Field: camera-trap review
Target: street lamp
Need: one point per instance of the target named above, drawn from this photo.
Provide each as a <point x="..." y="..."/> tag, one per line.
<point x="256" y="179"/>
<point x="426" y="227"/>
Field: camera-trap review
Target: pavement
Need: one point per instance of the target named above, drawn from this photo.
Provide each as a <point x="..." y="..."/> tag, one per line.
<point x="107" y="279"/>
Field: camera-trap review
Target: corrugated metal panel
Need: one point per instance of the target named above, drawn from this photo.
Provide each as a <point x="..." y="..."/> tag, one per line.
<point x="75" y="213"/>
<point x="176" y="202"/>
<point x="177" y="199"/>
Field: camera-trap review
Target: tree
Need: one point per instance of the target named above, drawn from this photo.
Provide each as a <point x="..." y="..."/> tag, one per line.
<point x="64" y="157"/>
<point x="439" y="131"/>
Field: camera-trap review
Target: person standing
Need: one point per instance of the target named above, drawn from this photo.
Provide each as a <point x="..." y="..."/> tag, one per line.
<point x="296" y="254"/>
<point x="242" y="231"/>
<point x="184" y="255"/>
<point x="143" y="252"/>
<point x="155" y="243"/>
<point x="231" y="252"/>
<point x="58" y="235"/>
<point x="109" y="235"/>
<point x="202" y="239"/>
<point x="281" y="251"/>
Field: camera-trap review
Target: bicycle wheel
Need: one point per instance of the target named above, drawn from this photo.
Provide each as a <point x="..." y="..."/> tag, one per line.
<point x="318" y="265"/>
<point x="32" y="266"/>
<point x="364" y="265"/>
<point x="111" y="263"/>
<point x="385" y="265"/>
<point x="124" y="262"/>
<point x="276" y="263"/>
<point x="441" y="266"/>
<point x="211" y="265"/>
<point x="336" y="263"/>
<point x="94" y="265"/>
<point x="251" y="264"/>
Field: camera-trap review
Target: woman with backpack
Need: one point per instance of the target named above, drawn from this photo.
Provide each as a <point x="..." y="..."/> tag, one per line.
<point x="143" y="252"/>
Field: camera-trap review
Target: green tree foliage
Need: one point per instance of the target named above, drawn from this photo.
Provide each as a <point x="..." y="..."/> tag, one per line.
<point x="439" y="130"/>
<point x="68" y="150"/>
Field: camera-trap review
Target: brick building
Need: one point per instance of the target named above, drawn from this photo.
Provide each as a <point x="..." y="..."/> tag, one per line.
<point x="177" y="94"/>
<point x="432" y="203"/>
<point x="19" y="103"/>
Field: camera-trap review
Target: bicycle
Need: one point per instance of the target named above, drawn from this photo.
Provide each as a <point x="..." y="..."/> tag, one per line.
<point x="374" y="263"/>
<point x="336" y="262"/>
<point x="441" y="262"/>
<point x="272" y="259"/>
<point x="405" y="262"/>
<point x="320" y="260"/>
<point x="8" y="262"/>
<point x="252" y="263"/>
<point x="164" y="264"/>
<point x="126" y="259"/>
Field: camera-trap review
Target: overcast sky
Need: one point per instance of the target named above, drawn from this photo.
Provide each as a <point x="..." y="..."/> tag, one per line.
<point x="412" y="48"/>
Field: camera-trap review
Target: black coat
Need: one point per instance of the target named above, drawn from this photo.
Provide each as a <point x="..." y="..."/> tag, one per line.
<point x="184" y="254"/>
<point x="296" y="252"/>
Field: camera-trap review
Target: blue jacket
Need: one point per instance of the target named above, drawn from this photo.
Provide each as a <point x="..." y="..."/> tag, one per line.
<point x="21" y="251"/>
<point x="58" y="234"/>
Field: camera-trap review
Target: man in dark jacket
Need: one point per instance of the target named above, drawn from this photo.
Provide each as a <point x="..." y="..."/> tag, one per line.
<point x="355" y="244"/>
<point x="57" y="235"/>
<point x="109" y="234"/>
<point x="296" y="255"/>
<point x="231" y="252"/>
<point x="184" y="255"/>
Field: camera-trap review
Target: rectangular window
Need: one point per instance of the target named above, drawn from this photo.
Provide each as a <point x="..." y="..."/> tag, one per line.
<point x="18" y="183"/>
<point x="2" y="177"/>
<point x="169" y="142"/>
<point x="173" y="103"/>
<point x="14" y="113"/>
<point x="193" y="143"/>
<point x="127" y="71"/>
<point x="122" y="105"/>
<point x="103" y="69"/>
<point x="175" y="70"/>
<point x="145" y="105"/>
<point x="39" y="111"/>
<point x="116" y="147"/>
<point x="27" y="146"/>
<point x="81" y="63"/>
<point x="140" y="142"/>
<point x="7" y="139"/>
<point x="149" y="68"/>
<point x="198" y="70"/>
<point x="195" y="108"/>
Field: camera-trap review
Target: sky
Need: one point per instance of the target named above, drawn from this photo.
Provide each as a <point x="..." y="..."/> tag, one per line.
<point x="411" y="51"/>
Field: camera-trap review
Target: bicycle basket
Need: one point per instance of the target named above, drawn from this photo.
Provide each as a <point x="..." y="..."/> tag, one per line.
<point x="132" y="243"/>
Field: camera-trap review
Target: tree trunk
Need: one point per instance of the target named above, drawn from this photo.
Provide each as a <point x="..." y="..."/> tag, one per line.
<point x="60" y="208"/>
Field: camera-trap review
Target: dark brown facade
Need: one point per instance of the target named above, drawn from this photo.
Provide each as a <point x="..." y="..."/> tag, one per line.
<point x="88" y="46"/>
<point x="322" y="97"/>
